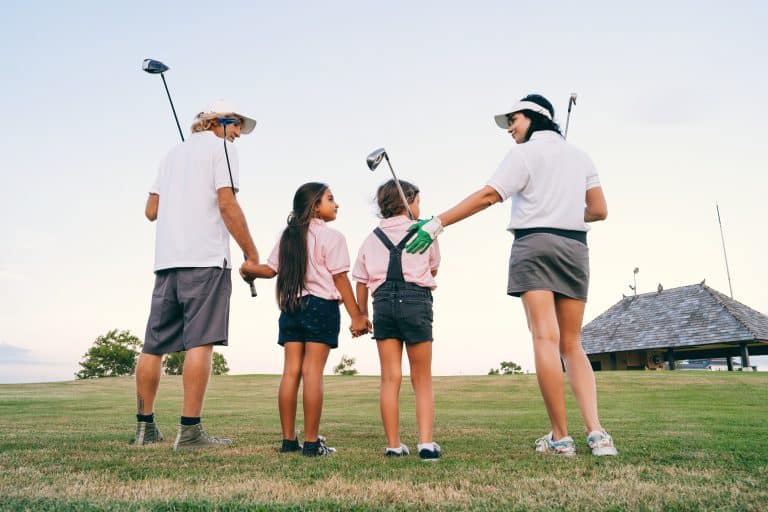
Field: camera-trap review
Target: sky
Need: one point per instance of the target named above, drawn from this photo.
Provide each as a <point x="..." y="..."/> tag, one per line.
<point x="671" y="105"/>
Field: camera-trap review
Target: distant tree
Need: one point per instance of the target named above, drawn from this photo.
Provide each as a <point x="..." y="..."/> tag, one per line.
<point x="173" y="364"/>
<point x="345" y="366"/>
<point x="506" y="368"/>
<point x="510" y="368"/>
<point x="111" y="355"/>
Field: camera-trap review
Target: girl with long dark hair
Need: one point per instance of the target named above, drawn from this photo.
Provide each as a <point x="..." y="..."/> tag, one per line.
<point x="311" y="262"/>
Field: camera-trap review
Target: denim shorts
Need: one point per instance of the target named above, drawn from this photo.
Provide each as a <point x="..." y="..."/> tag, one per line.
<point x="402" y="311"/>
<point x="316" y="320"/>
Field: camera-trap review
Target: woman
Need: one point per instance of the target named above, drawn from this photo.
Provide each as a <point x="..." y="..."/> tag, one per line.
<point x="555" y="192"/>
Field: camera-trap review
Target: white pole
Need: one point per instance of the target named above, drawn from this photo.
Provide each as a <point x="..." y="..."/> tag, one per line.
<point x="722" y="239"/>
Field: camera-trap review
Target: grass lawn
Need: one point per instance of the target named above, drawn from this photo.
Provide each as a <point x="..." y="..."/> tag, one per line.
<point x="687" y="441"/>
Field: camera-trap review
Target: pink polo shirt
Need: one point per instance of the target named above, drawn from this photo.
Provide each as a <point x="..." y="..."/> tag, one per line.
<point x="328" y="256"/>
<point x="373" y="258"/>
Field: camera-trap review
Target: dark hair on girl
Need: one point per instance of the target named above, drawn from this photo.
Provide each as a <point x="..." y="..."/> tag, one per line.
<point x="538" y="121"/>
<point x="389" y="200"/>
<point x="292" y="262"/>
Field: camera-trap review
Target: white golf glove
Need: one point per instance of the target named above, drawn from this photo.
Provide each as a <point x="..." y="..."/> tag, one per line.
<point x="428" y="231"/>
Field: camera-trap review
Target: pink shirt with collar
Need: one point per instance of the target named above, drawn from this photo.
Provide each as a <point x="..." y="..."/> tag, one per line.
<point x="373" y="258"/>
<point x="328" y="256"/>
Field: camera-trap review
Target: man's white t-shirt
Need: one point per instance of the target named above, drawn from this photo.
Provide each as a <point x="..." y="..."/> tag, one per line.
<point x="190" y="231"/>
<point x="547" y="179"/>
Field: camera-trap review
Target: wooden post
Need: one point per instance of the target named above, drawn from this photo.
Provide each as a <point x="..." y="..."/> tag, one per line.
<point x="614" y="364"/>
<point x="744" y="357"/>
<point x="671" y="358"/>
<point x="729" y="360"/>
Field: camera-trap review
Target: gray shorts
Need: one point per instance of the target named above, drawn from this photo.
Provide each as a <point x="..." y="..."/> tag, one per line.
<point x="190" y="308"/>
<point x="544" y="261"/>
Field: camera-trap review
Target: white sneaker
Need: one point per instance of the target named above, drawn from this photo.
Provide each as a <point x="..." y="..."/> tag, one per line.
<point x="601" y="443"/>
<point x="565" y="446"/>
<point x="402" y="451"/>
<point x="429" y="452"/>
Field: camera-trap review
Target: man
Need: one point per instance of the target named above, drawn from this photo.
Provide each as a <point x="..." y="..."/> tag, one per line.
<point x="193" y="201"/>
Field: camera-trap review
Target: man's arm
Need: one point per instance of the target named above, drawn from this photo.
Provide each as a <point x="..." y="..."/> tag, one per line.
<point x="237" y="226"/>
<point x="150" y="210"/>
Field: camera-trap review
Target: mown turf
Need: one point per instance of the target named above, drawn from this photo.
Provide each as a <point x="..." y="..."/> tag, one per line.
<point x="687" y="441"/>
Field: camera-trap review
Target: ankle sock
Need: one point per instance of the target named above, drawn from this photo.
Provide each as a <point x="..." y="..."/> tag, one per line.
<point x="148" y="418"/>
<point x="426" y="446"/>
<point x="188" y="420"/>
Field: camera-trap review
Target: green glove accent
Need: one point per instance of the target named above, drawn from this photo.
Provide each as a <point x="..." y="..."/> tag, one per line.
<point x="420" y="243"/>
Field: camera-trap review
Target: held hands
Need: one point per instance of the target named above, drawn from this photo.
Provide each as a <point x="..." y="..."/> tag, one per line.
<point x="428" y="231"/>
<point x="248" y="269"/>
<point x="360" y="325"/>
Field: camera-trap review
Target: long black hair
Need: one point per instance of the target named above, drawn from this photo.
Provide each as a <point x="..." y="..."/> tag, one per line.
<point x="539" y="122"/>
<point x="292" y="262"/>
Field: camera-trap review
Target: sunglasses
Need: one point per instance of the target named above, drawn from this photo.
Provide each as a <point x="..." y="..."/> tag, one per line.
<point x="226" y="121"/>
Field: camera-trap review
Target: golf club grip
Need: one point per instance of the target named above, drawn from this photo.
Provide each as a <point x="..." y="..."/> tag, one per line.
<point x="252" y="284"/>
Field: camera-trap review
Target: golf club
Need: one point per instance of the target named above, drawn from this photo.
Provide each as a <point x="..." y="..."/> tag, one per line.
<point x="226" y="121"/>
<point x="155" y="67"/>
<point x="373" y="161"/>
<point x="571" y="103"/>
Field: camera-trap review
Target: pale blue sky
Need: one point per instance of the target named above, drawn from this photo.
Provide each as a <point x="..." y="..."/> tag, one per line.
<point x="672" y="102"/>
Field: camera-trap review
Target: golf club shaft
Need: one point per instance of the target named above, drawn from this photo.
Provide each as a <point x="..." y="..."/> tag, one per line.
<point x="172" y="107"/>
<point x="571" y="103"/>
<point x="252" y="284"/>
<point x="399" y="188"/>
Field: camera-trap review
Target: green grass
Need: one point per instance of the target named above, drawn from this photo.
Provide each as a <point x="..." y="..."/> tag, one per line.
<point x="687" y="441"/>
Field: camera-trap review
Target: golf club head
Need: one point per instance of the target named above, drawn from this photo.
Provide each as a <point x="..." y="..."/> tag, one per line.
<point x="154" y="67"/>
<point x="374" y="159"/>
<point x="573" y="98"/>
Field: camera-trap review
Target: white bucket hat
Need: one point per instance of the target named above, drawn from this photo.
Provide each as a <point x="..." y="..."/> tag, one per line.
<point x="503" y="123"/>
<point x="222" y="108"/>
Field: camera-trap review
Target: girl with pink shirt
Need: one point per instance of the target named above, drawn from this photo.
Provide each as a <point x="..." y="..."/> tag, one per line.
<point x="401" y="285"/>
<point x="311" y="262"/>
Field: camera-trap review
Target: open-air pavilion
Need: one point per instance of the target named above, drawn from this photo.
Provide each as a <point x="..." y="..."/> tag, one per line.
<point x="653" y="330"/>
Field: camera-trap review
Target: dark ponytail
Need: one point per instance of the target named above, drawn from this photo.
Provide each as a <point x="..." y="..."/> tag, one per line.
<point x="540" y="122"/>
<point x="292" y="262"/>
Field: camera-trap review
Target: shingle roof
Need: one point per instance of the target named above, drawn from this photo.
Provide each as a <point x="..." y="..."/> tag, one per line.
<point x="678" y="317"/>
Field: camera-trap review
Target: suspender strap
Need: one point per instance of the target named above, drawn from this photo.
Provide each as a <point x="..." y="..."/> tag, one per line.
<point x="395" y="267"/>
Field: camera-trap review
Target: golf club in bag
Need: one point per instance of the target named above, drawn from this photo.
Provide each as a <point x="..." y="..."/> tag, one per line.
<point x="155" y="67"/>
<point x="373" y="161"/>
<point x="571" y="103"/>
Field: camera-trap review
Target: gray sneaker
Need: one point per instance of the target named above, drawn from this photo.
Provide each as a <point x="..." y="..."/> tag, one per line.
<point x="601" y="443"/>
<point x="147" y="433"/>
<point x="564" y="447"/>
<point x="193" y="436"/>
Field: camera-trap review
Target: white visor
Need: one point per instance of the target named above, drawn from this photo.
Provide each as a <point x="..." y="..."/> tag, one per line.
<point x="501" y="119"/>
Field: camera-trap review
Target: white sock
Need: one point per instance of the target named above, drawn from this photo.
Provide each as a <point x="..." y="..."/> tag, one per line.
<point x="426" y="446"/>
